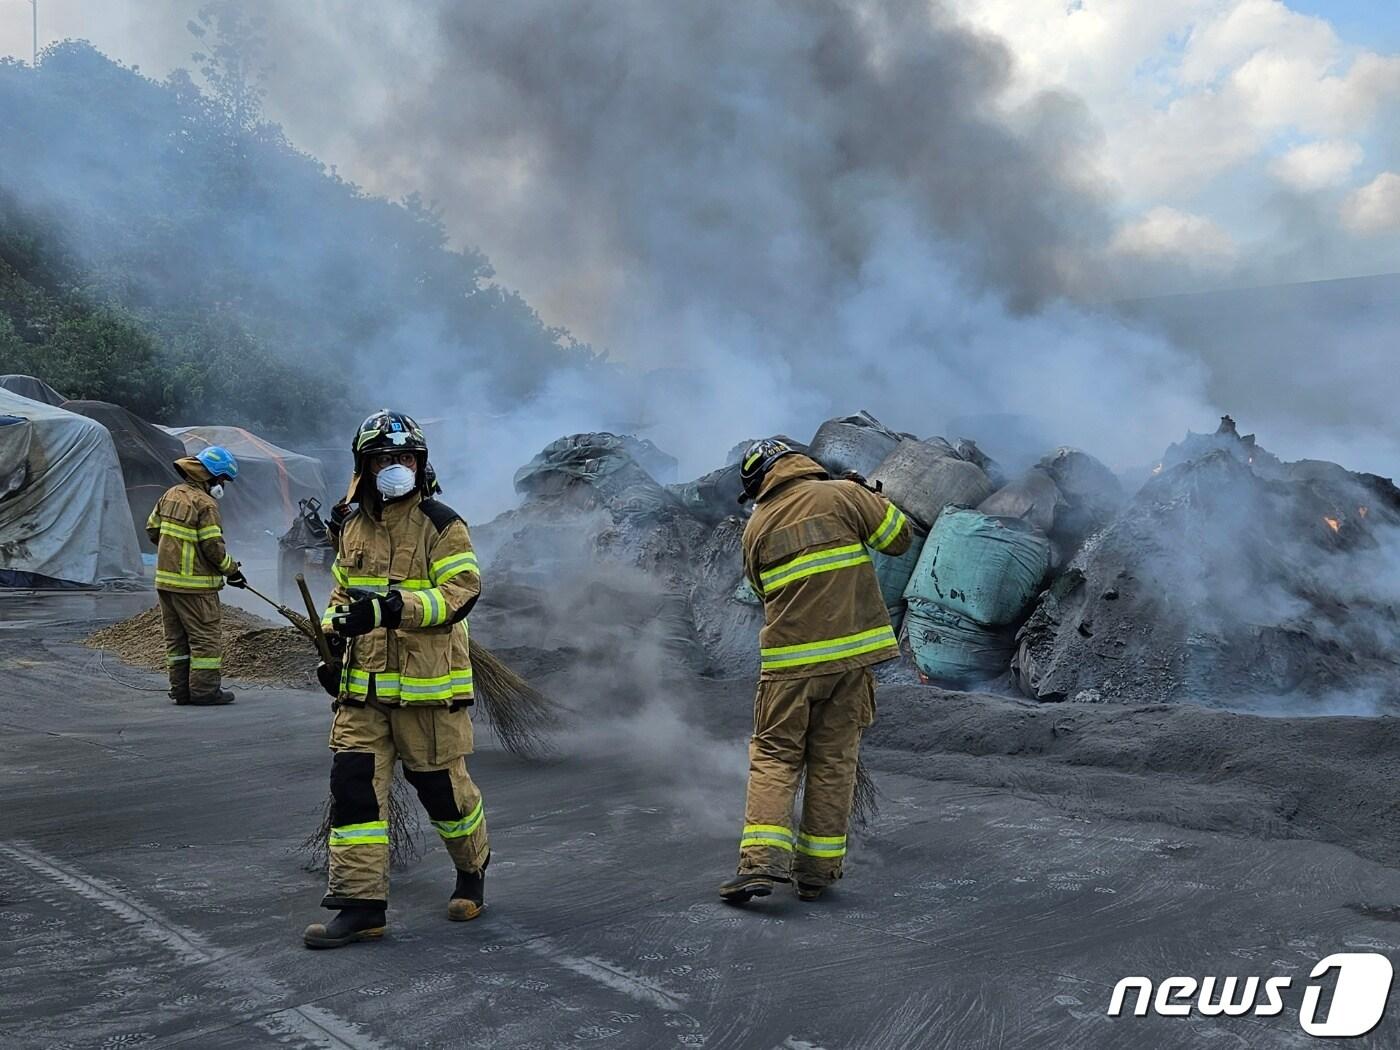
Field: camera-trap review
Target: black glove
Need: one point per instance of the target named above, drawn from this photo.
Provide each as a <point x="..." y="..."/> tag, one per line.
<point x="329" y="677"/>
<point x="367" y="612"/>
<point x="237" y="579"/>
<point x="340" y="513"/>
<point x="336" y="644"/>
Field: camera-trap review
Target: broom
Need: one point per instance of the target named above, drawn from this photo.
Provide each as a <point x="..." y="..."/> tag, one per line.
<point x="405" y="832"/>
<point x="520" y="714"/>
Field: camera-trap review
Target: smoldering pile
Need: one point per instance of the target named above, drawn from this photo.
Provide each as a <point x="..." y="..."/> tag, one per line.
<point x="254" y="649"/>
<point x="1229" y="579"/>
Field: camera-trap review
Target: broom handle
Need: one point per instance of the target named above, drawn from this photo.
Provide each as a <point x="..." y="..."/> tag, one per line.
<point x="290" y="616"/>
<point x="322" y="646"/>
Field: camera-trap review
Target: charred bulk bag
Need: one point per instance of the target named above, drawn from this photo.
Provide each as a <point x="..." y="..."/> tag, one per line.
<point x="985" y="568"/>
<point x="858" y="443"/>
<point x="922" y="478"/>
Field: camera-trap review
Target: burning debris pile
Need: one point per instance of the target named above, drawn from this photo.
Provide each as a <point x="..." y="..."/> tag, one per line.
<point x="1230" y="579"/>
<point x="253" y="649"/>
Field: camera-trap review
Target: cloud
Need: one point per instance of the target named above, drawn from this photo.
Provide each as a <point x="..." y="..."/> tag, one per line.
<point x="1317" y="165"/>
<point x="1375" y="207"/>
<point x="1166" y="233"/>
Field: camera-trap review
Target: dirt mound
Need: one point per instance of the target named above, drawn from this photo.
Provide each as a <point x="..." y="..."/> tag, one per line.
<point x="1185" y="766"/>
<point x="254" y="649"/>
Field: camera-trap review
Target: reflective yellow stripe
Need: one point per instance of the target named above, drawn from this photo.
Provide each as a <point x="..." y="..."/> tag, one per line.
<point x="366" y="581"/>
<point x="185" y="582"/>
<point x="445" y="568"/>
<point x="456" y="829"/>
<point x="805" y="565"/>
<point x="180" y="532"/>
<point x="373" y="833"/>
<point x="889" y="528"/>
<point x="407" y="689"/>
<point x="828" y="650"/>
<point x="822" y="845"/>
<point x="186" y="558"/>
<point x="227" y="564"/>
<point x="773" y="835"/>
<point x="176" y="658"/>
<point x="206" y="663"/>
<point x="209" y="532"/>
<point x="434" y="607"/>
<point x="341" y="576"/>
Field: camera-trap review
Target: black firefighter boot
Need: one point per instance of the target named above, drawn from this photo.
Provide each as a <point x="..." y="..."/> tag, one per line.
<point x="469" y="895"/>
<point x="360" y="923"/>
<point x="206" y="690"/>
<point x="745" y="886"/>
<point x="180" y="681"/>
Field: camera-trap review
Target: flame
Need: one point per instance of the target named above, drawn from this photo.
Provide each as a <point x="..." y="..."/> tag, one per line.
<point x="1335" y="524"/>
<point x="1363" y="511"/>
<point x="1157" y="469"/>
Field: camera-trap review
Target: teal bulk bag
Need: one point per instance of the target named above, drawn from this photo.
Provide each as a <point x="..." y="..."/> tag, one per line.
<point x="984" y="567"/>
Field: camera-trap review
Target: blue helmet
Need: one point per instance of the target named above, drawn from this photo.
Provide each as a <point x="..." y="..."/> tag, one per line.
<point x="219" y="462"/>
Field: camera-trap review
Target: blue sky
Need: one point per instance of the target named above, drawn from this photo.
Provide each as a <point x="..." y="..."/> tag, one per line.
<point x="1366" y="23"/>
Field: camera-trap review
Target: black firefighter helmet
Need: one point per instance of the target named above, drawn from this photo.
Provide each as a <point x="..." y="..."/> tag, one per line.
<point x="758" y="461"/>
<point x="387" y="431"/>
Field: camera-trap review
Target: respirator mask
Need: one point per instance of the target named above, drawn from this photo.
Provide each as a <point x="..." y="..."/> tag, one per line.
<point x="396" y="481"/>
<point x="216" y="490"/>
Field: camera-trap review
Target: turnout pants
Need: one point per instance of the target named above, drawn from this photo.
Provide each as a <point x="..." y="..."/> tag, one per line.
<point x="432" y="742"/>
<point x="192" y="624"/>
<point x="813" y="725"/>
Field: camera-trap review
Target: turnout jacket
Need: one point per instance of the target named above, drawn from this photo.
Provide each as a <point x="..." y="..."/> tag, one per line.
<point x="807" y="555"/>
<point x="188" y="534"/>
<point x="420" y="548"/>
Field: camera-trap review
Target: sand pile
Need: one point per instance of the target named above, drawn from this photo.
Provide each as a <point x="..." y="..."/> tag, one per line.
<point x="253" y="648"/>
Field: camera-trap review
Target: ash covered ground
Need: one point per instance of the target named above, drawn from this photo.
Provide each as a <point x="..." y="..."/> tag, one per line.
<point x="1026" y="855"/>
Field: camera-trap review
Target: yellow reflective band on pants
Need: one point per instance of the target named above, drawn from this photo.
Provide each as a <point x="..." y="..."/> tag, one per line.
<point x="374" y="833"/>
<point x="888" y="530"/>
<point x="172" y="659"/>
<point x="774" y="835"/>
<point x="821" y="845"/>
<point x="801" y="567"/>
<point x="456" y="829"/>
<point x="206" y="663"/>
<point x="828" y="650"/>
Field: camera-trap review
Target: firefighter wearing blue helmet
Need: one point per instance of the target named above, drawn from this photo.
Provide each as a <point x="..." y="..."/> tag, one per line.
<point x="191" y="567"/>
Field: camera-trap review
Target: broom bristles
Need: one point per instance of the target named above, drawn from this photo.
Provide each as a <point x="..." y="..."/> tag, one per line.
<point x="405" y="831"/>
<point x="865" y="802"/>
<point x="520" y="714"/>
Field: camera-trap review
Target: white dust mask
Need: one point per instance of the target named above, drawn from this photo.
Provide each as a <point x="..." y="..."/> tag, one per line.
<point x="216" y="490"/>
<point x="395" y="481"/>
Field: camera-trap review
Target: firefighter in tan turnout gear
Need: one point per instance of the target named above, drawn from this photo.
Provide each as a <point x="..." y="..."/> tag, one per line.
<point x="405" y="579"/>
<point x="191" y="567"/>
<point x="807" y="554"/>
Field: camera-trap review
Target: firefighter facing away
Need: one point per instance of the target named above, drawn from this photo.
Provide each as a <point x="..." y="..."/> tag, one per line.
<point x="191" y="567"/>
<point x="405" y="580"/>
<point x="807" y="554"/>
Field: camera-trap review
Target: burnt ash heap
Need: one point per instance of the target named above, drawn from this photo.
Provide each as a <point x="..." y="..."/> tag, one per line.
<point x="1230" y="580"/>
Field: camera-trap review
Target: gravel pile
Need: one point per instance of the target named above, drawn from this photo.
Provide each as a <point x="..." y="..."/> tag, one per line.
<point x="254" y="649"/>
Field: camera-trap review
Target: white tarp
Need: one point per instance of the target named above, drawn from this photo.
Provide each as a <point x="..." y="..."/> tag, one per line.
<point x="63" y="509"/>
